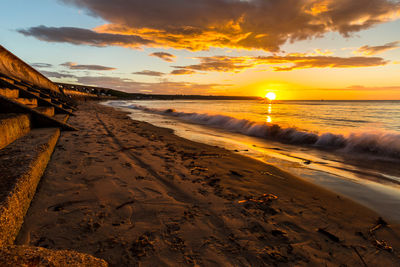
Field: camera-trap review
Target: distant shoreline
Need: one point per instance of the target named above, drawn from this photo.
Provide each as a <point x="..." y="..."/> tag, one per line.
<point x="140" y="96"/>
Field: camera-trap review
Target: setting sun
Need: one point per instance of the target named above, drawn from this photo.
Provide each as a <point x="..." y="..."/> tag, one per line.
<point x="271" y="96"/>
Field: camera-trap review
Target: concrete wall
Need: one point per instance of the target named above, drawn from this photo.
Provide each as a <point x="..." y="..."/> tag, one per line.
<point x="12" y="66"/>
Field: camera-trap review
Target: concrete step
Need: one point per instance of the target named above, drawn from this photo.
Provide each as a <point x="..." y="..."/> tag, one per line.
<point x="10" y="93"/>
<point x="49" y="111"/>
<point x="42" y="102"/>
<point x="7" y="79"/>
<point x="22" y="164"/>
<point x="31" y="102"/>
<point x="38" y="119"/>
<point x="35" y="93"/>
<point x="23" y="87"/>
<point x="62" y="117"/>
<point x="12" y="127"/>
<point x="32" y="90"/>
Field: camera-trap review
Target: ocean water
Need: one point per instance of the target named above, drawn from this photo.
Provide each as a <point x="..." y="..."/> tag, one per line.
<point x="349" y="147"/>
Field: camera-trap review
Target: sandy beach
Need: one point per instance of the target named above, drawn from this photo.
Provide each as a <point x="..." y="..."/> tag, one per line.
<point x="137" y="195"/>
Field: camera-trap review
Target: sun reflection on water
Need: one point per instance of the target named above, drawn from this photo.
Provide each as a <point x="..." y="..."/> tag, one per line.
<point x="269" y="119"/>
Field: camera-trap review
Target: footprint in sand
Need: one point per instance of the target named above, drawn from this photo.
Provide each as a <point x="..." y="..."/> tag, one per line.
<point x="120" y="182"/>
<point x="87" y="161"/>
<point x="127" y="165"/>
<point x="44" y="242"/>
<point x="110" y="170"/>
<point x="125" y="213"/>
<point x="95" y="178"/>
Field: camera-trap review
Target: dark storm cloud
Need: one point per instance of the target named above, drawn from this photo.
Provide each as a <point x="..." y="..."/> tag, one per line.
<point x="149" y="73"/>
<point x="164" y="56"/>
<point x="80" y="36"/>
<point x="75" y="66"/>
<point x="263" y="24"/>
<point x="374" y="50"/>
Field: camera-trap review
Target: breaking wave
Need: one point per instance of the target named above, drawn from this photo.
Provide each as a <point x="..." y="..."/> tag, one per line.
<point x="377" y="143"/>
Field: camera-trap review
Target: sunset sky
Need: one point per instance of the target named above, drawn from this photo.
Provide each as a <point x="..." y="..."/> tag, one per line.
<point x="299" y="49"/>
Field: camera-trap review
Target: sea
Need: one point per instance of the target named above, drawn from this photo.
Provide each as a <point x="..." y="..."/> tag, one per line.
<point x="349" y="147"/>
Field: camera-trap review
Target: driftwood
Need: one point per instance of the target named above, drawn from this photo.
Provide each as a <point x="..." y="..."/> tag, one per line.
<point x="380" y="244"/>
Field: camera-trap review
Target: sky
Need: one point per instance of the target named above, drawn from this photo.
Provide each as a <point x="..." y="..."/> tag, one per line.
<point x="298" y="49"/>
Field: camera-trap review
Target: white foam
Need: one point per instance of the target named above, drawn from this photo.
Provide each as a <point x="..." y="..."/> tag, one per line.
<point x="377" y="143"/>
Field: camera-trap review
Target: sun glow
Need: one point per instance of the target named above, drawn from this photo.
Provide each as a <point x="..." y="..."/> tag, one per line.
<point x="271" y="96"/>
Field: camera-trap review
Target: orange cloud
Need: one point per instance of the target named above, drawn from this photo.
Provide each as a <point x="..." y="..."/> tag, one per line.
<point x="374" y="50"/>
<point x="182" y="72"/>
<point x="201" y="24"/>
<point x="295" y="61"/>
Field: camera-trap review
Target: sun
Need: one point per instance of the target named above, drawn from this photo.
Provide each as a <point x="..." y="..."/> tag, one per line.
<point x="271" y="96"/>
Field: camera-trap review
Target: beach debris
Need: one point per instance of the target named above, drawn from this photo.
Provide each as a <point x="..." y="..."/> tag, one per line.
<point x="329" y="235"/>
<point x="266" y="173"/>
<point x="382" y="245"/>
<point x="262" y="199"/>
<point x="273" y="175"/>
<point x="380" y="223"/>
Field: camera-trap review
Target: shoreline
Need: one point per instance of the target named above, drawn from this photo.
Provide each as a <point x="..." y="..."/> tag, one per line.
<point x="133" y="193"/>
<point x="349" y="175"/>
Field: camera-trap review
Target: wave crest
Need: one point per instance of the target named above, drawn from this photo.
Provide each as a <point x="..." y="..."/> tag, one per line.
<point x="377" y="143"/>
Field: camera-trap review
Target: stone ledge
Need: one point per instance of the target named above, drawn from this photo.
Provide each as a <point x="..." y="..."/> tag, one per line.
<point x="21" y="166"/>
<point x="36" y="256"/>
<point x="12" y="127"/>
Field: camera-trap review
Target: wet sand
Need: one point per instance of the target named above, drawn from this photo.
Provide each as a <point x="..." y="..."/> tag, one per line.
<point x="135" y="194"/>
